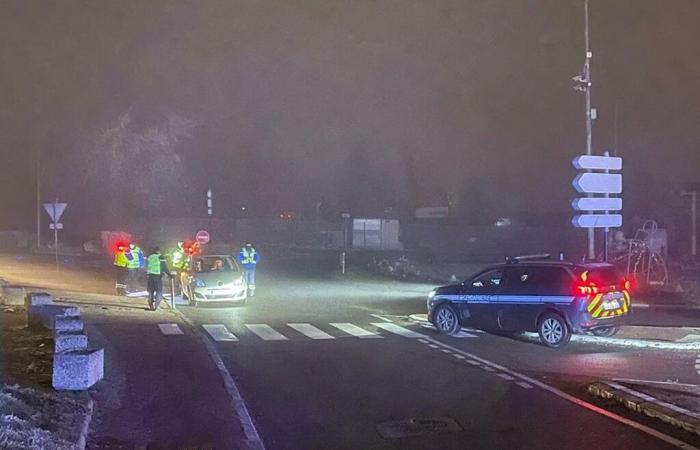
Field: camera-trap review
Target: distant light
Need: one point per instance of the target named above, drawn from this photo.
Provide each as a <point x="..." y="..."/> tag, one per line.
<point x="503" y="222"/>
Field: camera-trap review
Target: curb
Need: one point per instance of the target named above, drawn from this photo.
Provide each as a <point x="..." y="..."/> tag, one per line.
<point x="648" y="405"/>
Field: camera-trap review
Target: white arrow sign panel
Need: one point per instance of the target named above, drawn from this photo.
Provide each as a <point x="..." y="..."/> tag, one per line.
<point x="55" y="210"/>
<point x="598" y="183"/>
<point x="597" y="221"/>
<point x="597" y="162"/>
<point x="597" y="204"/>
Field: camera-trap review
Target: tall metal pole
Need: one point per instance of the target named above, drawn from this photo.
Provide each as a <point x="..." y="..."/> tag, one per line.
<point x="38" y="197"/>
<point x="693" y="224"/>
<point x="589" y="121"/>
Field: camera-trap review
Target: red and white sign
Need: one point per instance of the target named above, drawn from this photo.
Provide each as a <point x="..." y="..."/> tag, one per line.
<point x="202" y="237"/>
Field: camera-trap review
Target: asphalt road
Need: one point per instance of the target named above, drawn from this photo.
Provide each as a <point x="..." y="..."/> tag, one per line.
<point x="321" y="386"/>
<point x="330" y="362"/>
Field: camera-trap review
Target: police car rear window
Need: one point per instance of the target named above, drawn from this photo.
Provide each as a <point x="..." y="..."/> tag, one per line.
<point x="603" y="276"/>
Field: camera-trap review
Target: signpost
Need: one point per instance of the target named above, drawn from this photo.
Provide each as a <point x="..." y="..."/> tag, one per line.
<point x="601" y="211"/>
<point x="55" y="211"/>
<point x="202" y="237"/>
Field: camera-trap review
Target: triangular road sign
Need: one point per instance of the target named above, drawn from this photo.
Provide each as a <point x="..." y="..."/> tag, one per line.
<point x="55" y="210"/>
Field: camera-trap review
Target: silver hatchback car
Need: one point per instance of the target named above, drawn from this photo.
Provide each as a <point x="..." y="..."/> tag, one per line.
<point x="215" y="278"/>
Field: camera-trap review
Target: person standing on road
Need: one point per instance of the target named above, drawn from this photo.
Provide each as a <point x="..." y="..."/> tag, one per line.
<point x="180" y="263"/>
<point x="249" y="258"/>
<point x="156" y="267"/>
<point x="120" y="263"/>
<point x="134" y="262"/>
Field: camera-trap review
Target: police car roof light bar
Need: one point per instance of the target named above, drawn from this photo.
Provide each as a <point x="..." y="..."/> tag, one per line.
<point x="535" y="257"/>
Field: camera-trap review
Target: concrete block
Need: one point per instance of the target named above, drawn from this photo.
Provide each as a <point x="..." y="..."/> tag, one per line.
<point x="37" y="299"/>
<point x="70" y="341"/>
<point x="45" y="315"/>
<point x="78" y="370"/>
<point x="67" y="323"/>
<point x="13" y="295"/>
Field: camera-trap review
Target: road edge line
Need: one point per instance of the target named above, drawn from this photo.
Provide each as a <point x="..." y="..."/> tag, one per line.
<point x="577" y="401"/>
<point x="251" y="433"/>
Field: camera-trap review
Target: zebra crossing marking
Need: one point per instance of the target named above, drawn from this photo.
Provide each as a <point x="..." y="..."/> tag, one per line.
<point x="310" y="331"/>
<point x="220" y="333"/>
<point x="266" y="332"/>
<point x="395" y="329"/>
<point x="170" y="329"/>
<point x="463" y="334"/>
<point x="354" y="330"/>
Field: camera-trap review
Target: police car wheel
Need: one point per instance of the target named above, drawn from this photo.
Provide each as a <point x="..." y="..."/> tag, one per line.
<point x="553" y="330"/>
<point x="445" y="320"/>
<point x="605" y="331"/>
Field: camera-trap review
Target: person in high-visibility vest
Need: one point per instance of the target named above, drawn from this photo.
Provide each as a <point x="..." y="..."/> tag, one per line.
<point x="249" y="258"/>
<point x="134" y="262"/>
<point x="156" y="267"/>
<point x="121" y="272"/>
<point x="181" y="265"/>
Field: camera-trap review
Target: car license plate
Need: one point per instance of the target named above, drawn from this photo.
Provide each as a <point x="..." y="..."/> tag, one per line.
<point x="610" y="304"/>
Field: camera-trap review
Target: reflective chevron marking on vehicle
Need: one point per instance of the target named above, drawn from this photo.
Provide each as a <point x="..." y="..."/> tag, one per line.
<point x="354" y="330"/>
<point x="310" y="331"/>
<point x="395" y="329"/>
<point x="220" y="333"/>
<point x="266" y="332"/>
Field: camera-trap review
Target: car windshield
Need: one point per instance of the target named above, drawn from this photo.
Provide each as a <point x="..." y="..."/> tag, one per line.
<point x="214" y="264"/>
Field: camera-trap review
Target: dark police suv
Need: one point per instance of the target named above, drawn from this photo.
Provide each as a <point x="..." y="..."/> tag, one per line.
<point x="530" y="293"/>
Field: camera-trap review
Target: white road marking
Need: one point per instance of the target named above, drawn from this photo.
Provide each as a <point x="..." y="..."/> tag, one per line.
<point x="265" y="332"/>
<point x="219" y="333"/>
<point x="310" y="331"/>
<point x="523" y="384"/>
<point x="577" y="401"/>
<point x="505" y="376"/>
<point x="251" y="433"/>
<point x="473" y="363"/>
<point x="458" y="356"/>
<point x="422" y="341"/>
<point x="356" y="331"/>
<point x="380" y="317"/>
<point x="444" y="350"/>
<point x="169" y="329"/>
<point x="653" y="382"/>
<point x="488" y="369"/>
<point x="433" y="346"/>
<point x="401" y="331"/>
<point x="464" y="334"/>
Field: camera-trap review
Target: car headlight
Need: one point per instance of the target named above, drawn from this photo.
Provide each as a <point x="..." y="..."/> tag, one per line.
<point x="238" y="282"/>
<point x="431" y="294"/>
<point x="199" y="283"/>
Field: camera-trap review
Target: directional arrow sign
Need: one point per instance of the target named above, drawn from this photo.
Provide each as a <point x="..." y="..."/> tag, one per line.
<point x="597" y="204"/>
<point x="597" y="221"/>
<point x="598" y="183"/>
<point x="597" y="162"/>
<point x="55" y="210"/>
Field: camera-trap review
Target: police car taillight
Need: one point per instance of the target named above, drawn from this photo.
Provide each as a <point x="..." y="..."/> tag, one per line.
<point x="587" y="289"/>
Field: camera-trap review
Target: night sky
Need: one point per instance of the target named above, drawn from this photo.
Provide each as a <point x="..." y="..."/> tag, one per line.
<point x="137" y="107"/>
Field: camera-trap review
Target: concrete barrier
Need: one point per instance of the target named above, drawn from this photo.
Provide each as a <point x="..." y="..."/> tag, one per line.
<point x="70" y="341"/>
<point x="67" y="323"/>
<point x="37" y="299"/>
<point x="77" y="370"/>
<point x="13" y="295"/>
<point x="45" y="315"/>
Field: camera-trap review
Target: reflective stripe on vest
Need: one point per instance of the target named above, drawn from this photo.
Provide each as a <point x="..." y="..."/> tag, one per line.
<point x="248" y="257"/>
<point x="153" y="264"/>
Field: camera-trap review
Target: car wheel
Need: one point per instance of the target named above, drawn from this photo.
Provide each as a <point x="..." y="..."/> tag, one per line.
<point x="605" y="331"/>
<point x="445" y="320"/>
<point x="553" y="330"/>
